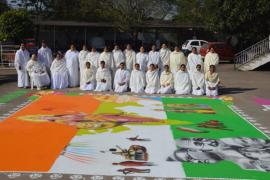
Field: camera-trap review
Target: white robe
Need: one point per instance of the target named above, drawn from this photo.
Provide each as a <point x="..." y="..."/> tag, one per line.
<point x="82" y="60"/>
<point x="38" y="74"/>
<point x="88" y="79"/>
<point x="152" y="82"/>
<point x="59" y="74"/>
<point x="193" y="61"/>
<point x="154" y="58"/>
<point x="137" y="81"/>
<point x="198" y="83"/>
<point x="45" y="56"/>
<point x="103" y="74"/>
<point x="165" y="79"/>
<point x="121" y="76"/>
<point x="72" y="60"/>
<point x="210" y="59"/>
<point x="130" y="57"/>
<point x="211" y="80"/>
<point x="142" y="59"/>
<point x="182" y="83"/>
<point x="107" y="57"/>
<point x="165" y="56"/>
<point x="118" y="57"/>
<point x="176" y="59"/>
<point x="93" y="58"/>
<point x="21" y="58"/>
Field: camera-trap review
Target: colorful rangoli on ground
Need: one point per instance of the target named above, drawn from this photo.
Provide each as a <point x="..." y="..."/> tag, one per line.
<point x="134" y="136"/>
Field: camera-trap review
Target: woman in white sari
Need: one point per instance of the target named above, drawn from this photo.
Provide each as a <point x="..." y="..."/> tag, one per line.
<point x="166" y="81"/>
<point x="182" y="82"/>
<point x="198" y="82"/>
<point x="59" y="72"/>
<point x="212" y="81"/>
<point x="88" y="80"/>
<point x="152" y="80"/>
<point x="37" y="72"/>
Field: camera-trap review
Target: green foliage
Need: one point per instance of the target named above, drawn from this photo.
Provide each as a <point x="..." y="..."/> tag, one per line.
<point x="15" y="25"/>
<point x="248" y="20"/>
<point x="3" y="6"/>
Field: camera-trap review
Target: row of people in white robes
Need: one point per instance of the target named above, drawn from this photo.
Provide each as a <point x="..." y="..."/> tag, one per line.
<point x="181" y="82"/>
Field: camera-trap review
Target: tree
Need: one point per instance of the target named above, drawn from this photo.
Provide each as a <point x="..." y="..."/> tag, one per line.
<point x="15" y="25"/>
<point x="3" y="6"/>
<point x="249" y="21"/>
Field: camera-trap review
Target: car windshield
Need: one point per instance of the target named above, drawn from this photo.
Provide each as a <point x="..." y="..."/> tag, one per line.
<point x="185" y="43"/>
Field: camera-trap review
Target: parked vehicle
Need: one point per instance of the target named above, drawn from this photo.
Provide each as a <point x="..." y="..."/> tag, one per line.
<point x="224" y="51"/>
<point x="189" y="44"/>
<point x="30" y="44"/>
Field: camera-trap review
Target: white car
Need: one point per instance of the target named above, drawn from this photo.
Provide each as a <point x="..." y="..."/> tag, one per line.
<point x="189" y="44"/>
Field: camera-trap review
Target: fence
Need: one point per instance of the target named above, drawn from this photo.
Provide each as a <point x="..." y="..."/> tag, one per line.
<point x="252" y="52"/>
<point x="7" y="55"/>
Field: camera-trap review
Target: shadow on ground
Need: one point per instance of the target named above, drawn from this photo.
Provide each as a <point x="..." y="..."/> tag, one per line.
<point x="234" y="90"/>
<point x="7" y="78"/>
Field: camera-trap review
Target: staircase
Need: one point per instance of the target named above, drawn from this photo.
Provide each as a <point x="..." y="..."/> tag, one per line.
<point x="254" y="56"/>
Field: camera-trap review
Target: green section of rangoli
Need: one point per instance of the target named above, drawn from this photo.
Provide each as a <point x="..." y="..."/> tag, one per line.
<point x="234" y="125"/>
<point x="6" y="98"/>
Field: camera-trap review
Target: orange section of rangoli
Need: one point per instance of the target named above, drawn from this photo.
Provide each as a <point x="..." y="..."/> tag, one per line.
<point x="30" y="146"/>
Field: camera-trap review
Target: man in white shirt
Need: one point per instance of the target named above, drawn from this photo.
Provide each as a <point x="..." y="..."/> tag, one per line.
<point x="107" y="57"/>
<point x="21" y="58"/>
<point x="121" y="79"/>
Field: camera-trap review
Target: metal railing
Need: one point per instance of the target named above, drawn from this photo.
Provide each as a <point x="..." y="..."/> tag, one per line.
<point x="252" y="52"/>
<point x="7" y="55"/>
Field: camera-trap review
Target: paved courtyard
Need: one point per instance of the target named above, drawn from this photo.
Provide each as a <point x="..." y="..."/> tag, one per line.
<point x="249" y="91"/>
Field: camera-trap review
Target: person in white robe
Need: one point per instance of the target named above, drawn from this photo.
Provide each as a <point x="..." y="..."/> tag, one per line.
<point x="142" y="59"/>
<point x="152" y="80"/>
<point x="88" y="78"/>
<point x="154" y="58"/>
<point x="45" y="55"/>
<point x="130" y="57"/>
<point x="107" y="57"/>
<point x="59" y="72"/>
<point x="177" y="58"/>
<point x="164" y="53"/>
<point x="212" y="81"/>
<point x="21" y="58"/>
<point x="72" y="60"/>
<point x="82" y="59"/>
<point x="37" y="72"/>
<point x="103" y="78"/>
<point x="93" y="58"/>
<point x="211" y="58"/>
<point x="166" y="81"/>
<point x="118" y="56"/>
<point x="198" y="82"/>
<point x="121" y="79"/>
<point x="193" y="60"/>
<point x="182" y="82"/>
<point x="137" y="80"/>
